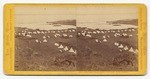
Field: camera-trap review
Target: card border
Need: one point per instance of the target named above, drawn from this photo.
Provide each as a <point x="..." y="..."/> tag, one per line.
<point x="9" y="43"/>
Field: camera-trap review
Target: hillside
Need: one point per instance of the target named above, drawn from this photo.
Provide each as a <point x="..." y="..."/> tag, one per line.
<point x="76" y="49"/>
<point x="64" y="22"/>
<point x="127" y="21"/>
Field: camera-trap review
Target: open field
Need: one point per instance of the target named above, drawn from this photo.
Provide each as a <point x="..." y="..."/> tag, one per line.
<point x="76" y="49"/>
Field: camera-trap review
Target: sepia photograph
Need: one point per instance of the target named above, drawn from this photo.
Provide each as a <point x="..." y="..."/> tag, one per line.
<point x="83" y="38"/>
<point x="107" y="38"/>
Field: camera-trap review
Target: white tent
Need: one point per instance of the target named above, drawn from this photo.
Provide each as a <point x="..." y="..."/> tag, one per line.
<point x="36" y="40"/>
<point x="130" y="30"/>
<point x="29" y="32"/>
<point x="89" y="32"/>
<point x="71" y="50"/>
<point x="83" y="33"/>
<point x="55" y="35"/>
<point x="61" y="46"/>
<point x="94" y="32"/>
<point x="102" y="31"/>
<point x="108" y="36"/>
<point x="56" y="44"/>
<point x="66" y="48"/>
<point x="120" y="50"/>
<point x="70" y="30"/>
<point x="121" y="46"/>
<point x="136" y="51"/>
<point x="60" y="50"/>
<point x="104" y="36"/>
<point x="131" y="50"/>
<point x="48" y="36"/>
<point x="44" y="37"/>
<point x="133" y="29"/>
<point x="79" y="33"/>
<point x="96" y="40"/>
<point x="44" y="40"/>
<point x="73" y="30"/>
<point x="130" y="35"/>
<point x="126" y="48"/>
<point x="19" y="33"/>
<point x="105" y="40"/>
<point x="100" y="41"/>
<point x="38" y="32"/>
<point x="115" y="35"/>
<point x="124" y="34"/>
<point x="65" y="35"/>
<point x="28" y="35"/>
<point x="98" y="31"/>
<point x="88" y="35"/>
<point x="75" y="52"/>
<point x="42" y="32"/>
<point x="24" y="34"/>
<point x="34" y="32"/>
<point x="116" y="43"/>
<point x="70" y="36"/>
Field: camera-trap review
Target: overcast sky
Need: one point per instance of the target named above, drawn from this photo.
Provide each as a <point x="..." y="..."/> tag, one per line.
<point x="29" y="14"/>
<point x="83" y="14"/>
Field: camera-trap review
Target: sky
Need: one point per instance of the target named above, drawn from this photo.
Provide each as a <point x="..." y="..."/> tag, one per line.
<point x="85" y="15"/>
<point x="38" y="14"/>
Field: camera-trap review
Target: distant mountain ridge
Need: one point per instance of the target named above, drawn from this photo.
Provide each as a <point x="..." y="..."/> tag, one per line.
<point x="126" y="21"/>
<point x="64" y="22"/>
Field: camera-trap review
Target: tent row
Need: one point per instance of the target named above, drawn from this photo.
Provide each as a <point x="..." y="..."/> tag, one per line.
<point x="122" y="47"/>
<point x="100" y="41"/>
<point x="123" y="34"/>
<point x="47" y="31"/>
<point x="65" y="48"/>
<point x="106" y="31"/>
